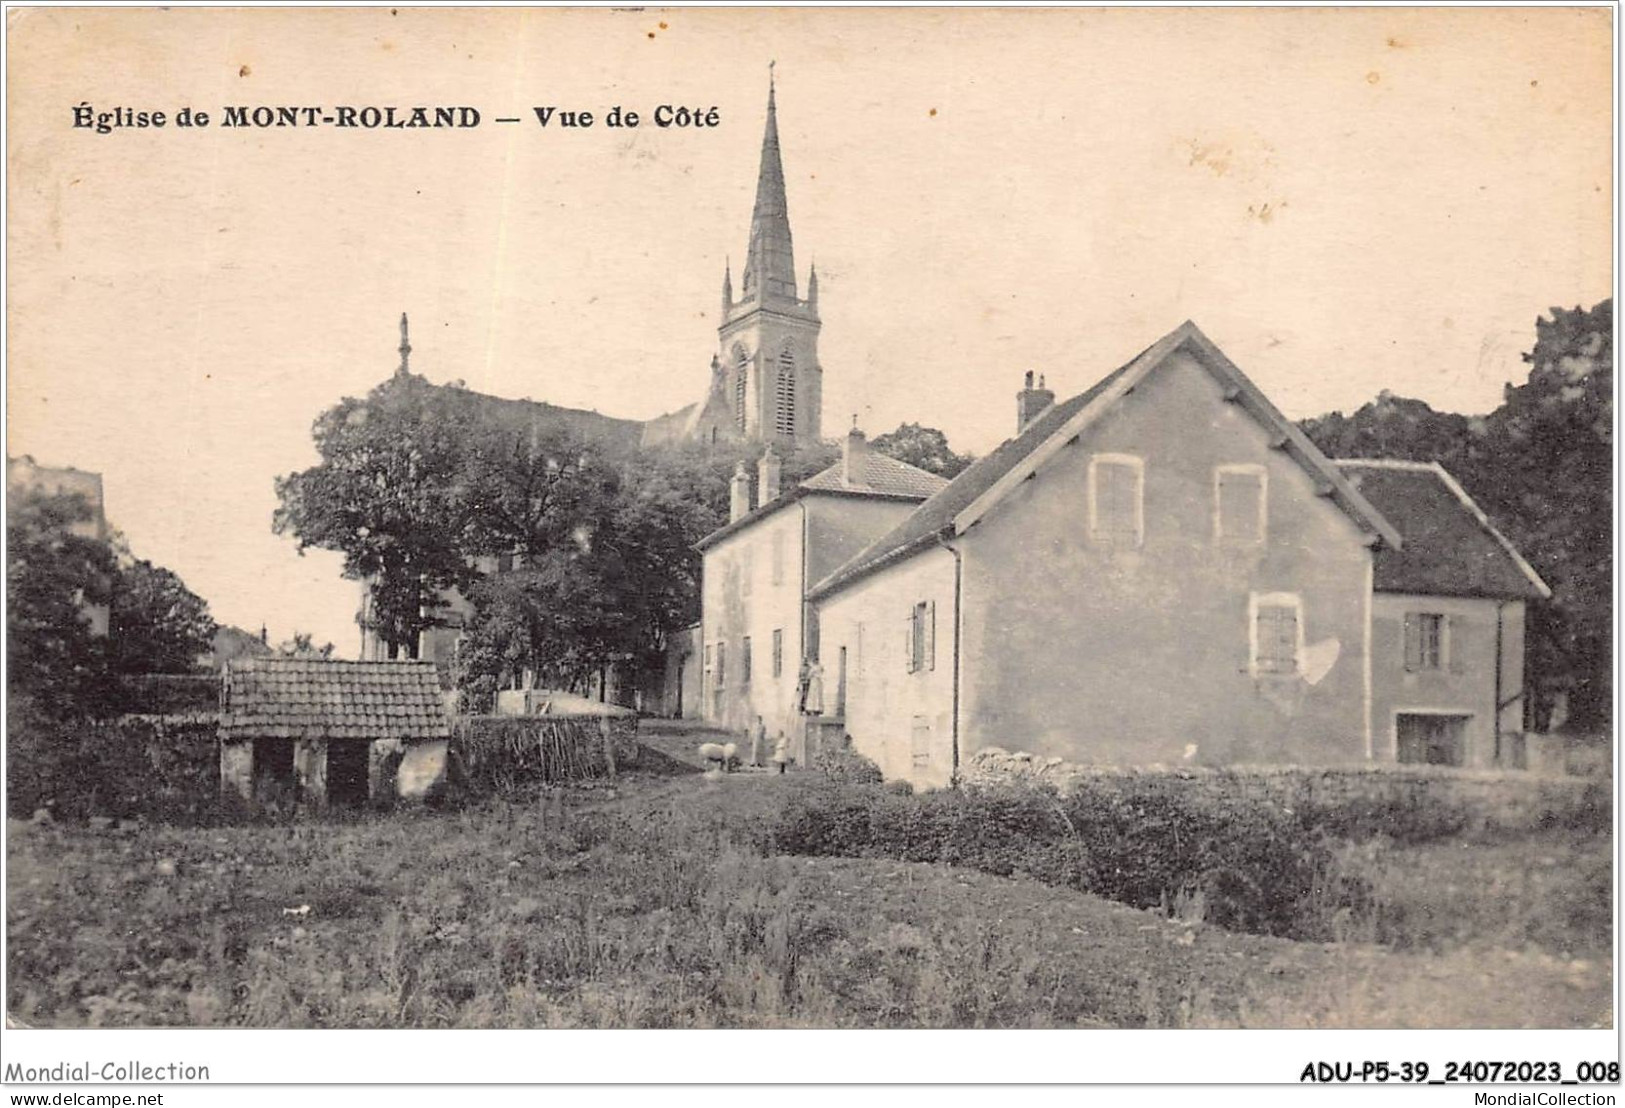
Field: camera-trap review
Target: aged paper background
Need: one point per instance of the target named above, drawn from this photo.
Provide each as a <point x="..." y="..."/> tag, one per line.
<point x="1346" y="200"/>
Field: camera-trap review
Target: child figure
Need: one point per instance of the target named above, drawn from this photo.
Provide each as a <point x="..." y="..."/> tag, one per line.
<point x="758" y="740"/>
<point x="781" y="751"/>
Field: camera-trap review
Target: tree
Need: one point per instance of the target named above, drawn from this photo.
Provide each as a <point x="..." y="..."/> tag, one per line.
<point x="157" y="624"/>
<point x="542" y="504"/>
<point x="303" y="645"/>
<point x="924" y="448"/>
<point x="388" y="495"/>
<point x="54" y="580"/>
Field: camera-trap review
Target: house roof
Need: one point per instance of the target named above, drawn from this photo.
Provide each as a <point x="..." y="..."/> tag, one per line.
<point x="971" y="494"/>
<point x="879" y="474"/>
<point x="281" y="697"/>
<point x="1451" y="547"/>
<point x="880" y="477"/>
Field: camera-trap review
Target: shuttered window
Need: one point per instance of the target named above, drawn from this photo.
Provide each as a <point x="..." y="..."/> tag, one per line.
<point x="1276" y="634"/>
<point x="1116" y="516"/>
<point x="785" y="395"/>
<point x="1239" y="491"/>
<point x="778" y="652"/>
<point x="921" y="630"/>
<point x="744" y="661"/>
<point x="920" y="742"/>
<point x="1431" y="642"/>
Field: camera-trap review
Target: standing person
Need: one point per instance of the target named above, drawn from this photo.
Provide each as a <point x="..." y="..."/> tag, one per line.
<point x="812" y="700"/>
<point x="781" y="751"/>
<point x="758" y="740"/>
<point x="801" y="686"/>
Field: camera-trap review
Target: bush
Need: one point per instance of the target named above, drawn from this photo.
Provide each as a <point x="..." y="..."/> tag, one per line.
<point x="842" y="763"/>
<point x="1150" y="842"/>
<point x="159" y="768"/>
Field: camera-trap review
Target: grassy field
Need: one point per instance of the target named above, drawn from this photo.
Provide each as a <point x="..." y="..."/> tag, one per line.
<point x="652" y="903"/>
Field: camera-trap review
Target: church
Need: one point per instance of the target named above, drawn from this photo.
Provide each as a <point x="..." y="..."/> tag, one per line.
<point x="765" y="383"/>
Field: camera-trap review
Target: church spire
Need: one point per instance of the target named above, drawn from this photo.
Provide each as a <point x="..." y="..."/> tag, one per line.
<point x="770" y="268"/>
<point x="406" y="347"/>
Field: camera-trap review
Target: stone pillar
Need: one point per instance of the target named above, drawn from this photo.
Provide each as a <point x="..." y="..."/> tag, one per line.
<point x="379" y="752"/>
<point x="237" y="767"/>
<point x="310" y="769"/>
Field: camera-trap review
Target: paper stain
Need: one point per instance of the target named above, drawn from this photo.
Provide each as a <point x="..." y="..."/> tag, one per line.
<point x="1319" y="658"/>
<point x="1373" y="77"/>
<point x="244" y="71"/>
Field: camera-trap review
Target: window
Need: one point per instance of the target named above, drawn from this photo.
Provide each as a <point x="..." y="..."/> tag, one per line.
<point x="785" y="394"/>
<point x="920" y="742"/>
<point x="721" y="671"/>
<point x="1240" y="503"/>
<point x="1427" y="639"/>
<point x="1116" y="508"/>
<point x="778" y="652"/>
<point x="1277" y="633"/>
<point x="744" y="662"/>
<point x="741" y="375"/>
<point x="921" y="650"/>
<point x="778" y="557"/>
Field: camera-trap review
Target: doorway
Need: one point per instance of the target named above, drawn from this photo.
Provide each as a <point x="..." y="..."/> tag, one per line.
<point x="273" y="769"/>
<point x="347" y="773"/>
<point x="1430" y="739"/>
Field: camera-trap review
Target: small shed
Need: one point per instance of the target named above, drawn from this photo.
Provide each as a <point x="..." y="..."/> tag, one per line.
<point x="323" y="731"/>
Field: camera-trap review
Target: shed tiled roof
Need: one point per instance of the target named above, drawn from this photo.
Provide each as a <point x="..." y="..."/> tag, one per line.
<point x="1451" y="547"/>
<point x="277" y="697"/>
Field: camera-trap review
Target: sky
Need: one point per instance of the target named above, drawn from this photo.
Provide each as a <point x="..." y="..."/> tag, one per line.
<point x="1346" y="201"/>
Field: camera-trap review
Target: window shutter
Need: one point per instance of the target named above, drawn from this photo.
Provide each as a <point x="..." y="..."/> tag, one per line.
<point x="908" y="640"/>
<point x="1413" y="643"/>
<point x="1452" y="643"/>
<point x="931" y="636"/>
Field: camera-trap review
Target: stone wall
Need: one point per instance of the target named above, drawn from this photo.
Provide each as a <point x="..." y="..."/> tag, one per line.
<point x="1507" y="799"/>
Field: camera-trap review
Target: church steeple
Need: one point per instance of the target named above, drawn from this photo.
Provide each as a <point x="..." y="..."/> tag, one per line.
<point x="405" y="348"/>
<point x="766" y="383"/>
<point x="770" y="266"/>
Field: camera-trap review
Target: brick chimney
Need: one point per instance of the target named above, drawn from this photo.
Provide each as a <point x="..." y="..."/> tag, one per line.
<point x="739" y="494"/>
<point x="767" y="477"/>
<point x="1031" y="402"/>
<point x="853" y="454"/>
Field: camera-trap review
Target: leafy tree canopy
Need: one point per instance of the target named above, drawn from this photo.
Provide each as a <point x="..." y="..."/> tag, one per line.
<point x="157" y="624"/>
<point x="924" y="448"/>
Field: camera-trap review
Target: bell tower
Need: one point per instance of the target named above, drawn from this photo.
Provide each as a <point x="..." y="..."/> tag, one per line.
<point x="768" y="341"/>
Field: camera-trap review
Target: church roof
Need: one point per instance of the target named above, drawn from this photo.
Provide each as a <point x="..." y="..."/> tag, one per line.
<point x="1451" y="547"/>
<point x="536" y="416"/>
<point x="971" y="494"/>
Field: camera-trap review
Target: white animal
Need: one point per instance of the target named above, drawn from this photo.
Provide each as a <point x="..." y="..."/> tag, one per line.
<point x="724" y="755"/>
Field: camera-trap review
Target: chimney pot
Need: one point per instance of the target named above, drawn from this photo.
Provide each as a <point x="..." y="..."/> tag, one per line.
<point x="1031" y="402"/>
<point x="767" y="477"/>
<point x="739" y="494"/>
<point x="853" y="454"/>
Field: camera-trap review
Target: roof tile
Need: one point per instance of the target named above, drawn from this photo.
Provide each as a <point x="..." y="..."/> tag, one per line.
<point x="286" y="697"/>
